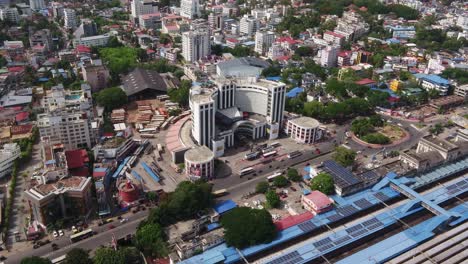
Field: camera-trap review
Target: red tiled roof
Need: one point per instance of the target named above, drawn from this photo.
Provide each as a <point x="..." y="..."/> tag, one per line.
<point x="232" y="40"/>
<point x="21" y="116"/>
<point x="21" y="129"/>
<point x="82" y="172"/>
<point x="287" y="39"/>
<point x="334" y="34"/>
<point x="293" y="220"/>
<point x="365" y="81"/>
<point x="108" y="134"/>
<point x="16" y="69"/>
<point x="76" y="158"/>
<point x="83" y="49"/>
<point x="99" y="174"/>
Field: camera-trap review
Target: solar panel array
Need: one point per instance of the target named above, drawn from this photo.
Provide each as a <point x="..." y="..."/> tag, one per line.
<point x="382" y="197"/>
<point x="347" y="210"/>
<point x="335" y="217"/>
<point x="323" y="244"/>
<point x="290" y="258"/>
<point x="342" y="240"/>
<point x="307" y="226"/>
<point x="363" y="203"/>
<point x="342" y="176"/>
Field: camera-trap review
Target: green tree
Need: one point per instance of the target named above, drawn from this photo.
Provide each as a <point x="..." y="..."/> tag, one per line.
<point x="293" y="175"/>
<point x="262" y="187"/>
<point x="151" y="240"/>
<point x="460" y="75"/>
<point x="78" y="256"/>
<point x="272" y="199"/>
<point x="120" y="59"/>
<point x="111" y="98"/>
<point x="323" y="182"/>
<point x="314" y="109"/>
<point x="344" y="156"/>
<point x="244" y="226"/>
<point x="437" y="129"/>
<point x="108" y="256"/>
<point x="376" y="138"/>
<point x="181" y="94"/>
<point x="361" y="127"/>
<point x="280" y="181"/>
<point x="35" y="260"/>
<point x="271" y="71"/>
<point x="190" y="198"/>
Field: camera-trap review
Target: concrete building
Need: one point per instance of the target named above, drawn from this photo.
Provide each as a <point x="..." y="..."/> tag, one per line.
<point x="304" y="130"/>
<point x="9" y="14"/>
<point x="317" y="202"/>
<point x="333" y="38"/>
<point x="93" y="41"/>
<point x="248" y="25"/>
<point x="216" y="21"/>
<point x="199" y="163"/>
<point x="196" y="44"/>
<point x="142" y="7"/>
<point x="59" y="98"/>
<point x="150" y="21"/>
<point x="69" y="18"/>
<point x="74" y="129"/>
<point x="430" y="82"/>
<point x="42" y="38"/>
<point x="8" y="155"/>
<point x="37" y="5"/>
<point x="461" y="90"/>
<point x="263" y="41"/>
<point x="241" y="67"/>
<point x="57" y="9"/>
<point x="87" y="28"/>
<point x="329" y="56"/>
<point x="190" y="9"/>
<point x="96" y="75"/>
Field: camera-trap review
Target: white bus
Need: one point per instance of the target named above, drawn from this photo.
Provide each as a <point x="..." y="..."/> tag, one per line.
<point x="275" y="144"/>
<point x="246" y="171"/>
<point x="157" y="155"/>
<point x="294" y="154"/>
<point x="274" y="175"/>
<point x="251" y="156"/>
<point x="270" y="154"/>
<point x="220" y="193"/>
<point x="60" y="259"/>
<point x="268" y="149"/>
<point x="162" y="97"/>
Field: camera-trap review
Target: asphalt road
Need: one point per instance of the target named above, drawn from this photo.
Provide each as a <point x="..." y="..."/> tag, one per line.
<point x="103" y="237"/>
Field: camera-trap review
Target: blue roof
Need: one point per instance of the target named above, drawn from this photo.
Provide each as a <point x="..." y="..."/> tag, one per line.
<point x="43" y="79"/>
<point x="294" y="92"/>
<point x="212" y="226"/>
<point x="393" y="41"/>
<point x="305" y="191"/>
<point x="50" y="162"/>
<point x="120" y="168"/>
<point x="436" y="79"/>
<point x="150" y="171"/>
<point x="224" y="206"/>
<point x="136" y="175"/>
<point x="100" y="169"/>
<point x="274" y="78"/>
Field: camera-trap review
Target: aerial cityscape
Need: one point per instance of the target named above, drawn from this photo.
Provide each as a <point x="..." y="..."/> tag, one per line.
<point x="233" y="131"/>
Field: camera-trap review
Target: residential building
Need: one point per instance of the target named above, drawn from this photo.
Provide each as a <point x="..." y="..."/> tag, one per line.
<point x="461" y="90"/>
<point x="403" y="32"/>
<point x="8" y="155"/>
<point x="329" y="56"/>
<point x="69" y="17"/>
<point x="96" y="75"/>
<point x="13" y="47"/>
<point x="93" y="41"/>
<point x="263" y="41"/>
<point x="241" y="67"/>
<point x="430" y="81"/>
<point x="72" y="128"/>
<point x="317" y="202"/>
<point x="9" y="14"/>
<point x="304" y="130"/>
<point x="190" y="9"/>
<point x="60" y="98"/>
<point x="196" y="44"/>
<point x="248" y="25"/>
<point x="216" y="21"/>
<point x="42" y="38"/>
<point x="87" y="28"/>
<point x="334" y="38"/>
<point x="150" y="21"/>
<point x="37" y="5"/>
<point x="57" y="9"/>
<point x="142" y="7"/>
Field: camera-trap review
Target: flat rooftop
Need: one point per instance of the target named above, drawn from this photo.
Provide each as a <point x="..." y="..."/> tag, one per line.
<point x="305" y="122"/>
<point x="440" y="142"/>
<point x="200" y="154"/>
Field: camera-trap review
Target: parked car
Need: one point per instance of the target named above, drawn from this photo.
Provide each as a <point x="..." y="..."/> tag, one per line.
<point x="124" y="220"/>
<point x="36" y="246"/>
<point x="108" y="220"/>
<point x="55" y="234"/>
<point x="293" y="189"/>
<point x="74" y="230"/>
<point x="55" y="246"/>
<point x="111" y="226"/>
<point x="60" y="232"/>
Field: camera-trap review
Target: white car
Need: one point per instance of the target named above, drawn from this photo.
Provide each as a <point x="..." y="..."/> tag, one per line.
<point x="124" y="220"/>
<point x="55" y="233"/>
<point x="60" y="232"/>
<point x="74" y="230"/>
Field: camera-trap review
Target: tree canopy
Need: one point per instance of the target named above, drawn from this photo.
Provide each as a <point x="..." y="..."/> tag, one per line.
<point x="323" y="182"/>
<point x="293" y="175"/>
<point x="272" y="199"/>
<point x="262" y="187"/>
<point x="78" y="256"/>
<point x="245" y="226"/>
<point x="111" y="98"/>
<point x="119" y="59"/>
<point x="35" y="260"/>
<point x="121" y="256"/>
<point x="150" y="238"/>
<point x="345" y="157"/>
<point x="280" y="181"/>
<point x="181" y="94"/>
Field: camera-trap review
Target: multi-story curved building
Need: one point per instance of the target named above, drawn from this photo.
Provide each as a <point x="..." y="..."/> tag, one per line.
<point x="249" y="107"/>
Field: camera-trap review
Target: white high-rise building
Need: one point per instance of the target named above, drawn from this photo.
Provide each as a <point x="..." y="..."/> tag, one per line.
<point x="263" y="41"/>
<point x="196" y="44"/>
<point x="329" y="56"/>
<point x="203" y="110"/>
<point x="142" y="7"/>
<point x="190" y="9"/>
<point x="8" y="155"/>
<point x="248" y="25"/>
<point x="69" y="17"/>
<point x="37" y="4"/>
<point x="9" y="14"/>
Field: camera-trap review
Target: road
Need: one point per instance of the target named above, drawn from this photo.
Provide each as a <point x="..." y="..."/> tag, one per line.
<point x="103" y="237"/>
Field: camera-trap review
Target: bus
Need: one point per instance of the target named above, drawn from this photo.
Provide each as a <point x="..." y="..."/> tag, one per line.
<point x="294" y="154"/>
<point x="274" y="175"/>
<point x="269" y="154"/>
<point x="160" y="148"/>
<point x="157" y="155"/>
<point x="60" y="259"/>
<point x="246" y="171"/>
<point x="81" y="235"/>
<point x="219" y="193"/>
<point x="268" y="149"/>
<point x="275" y="144"/>
<point x="251" y="156"/>
<point x="162" y="97"/>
